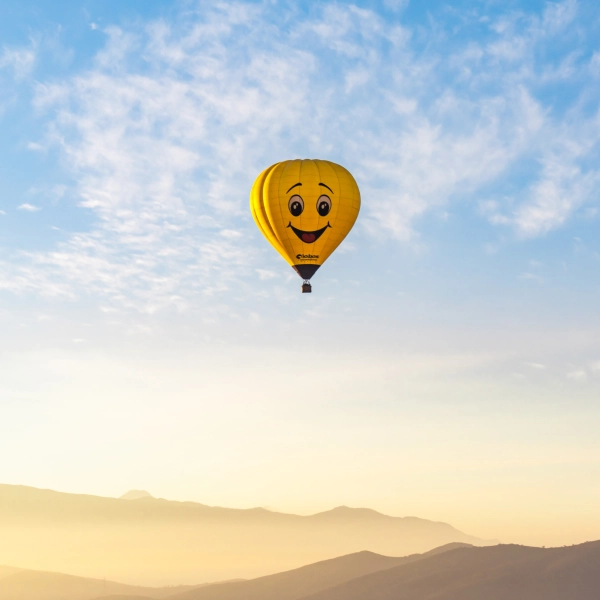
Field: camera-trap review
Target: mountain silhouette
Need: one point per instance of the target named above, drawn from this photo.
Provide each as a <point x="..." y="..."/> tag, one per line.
<point x="6" y="571"/>
<point x="155" y="541"/>
<point x="113" y="597"/>
<point x="135" y="495"/>
<point x="503" y="572"/>
<point x="24" y="584"/>
<point x="297" y="583"/>
<point x="451" y="572"/>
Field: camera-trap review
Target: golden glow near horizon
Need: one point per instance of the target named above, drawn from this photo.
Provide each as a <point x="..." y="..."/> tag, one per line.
<point x="374" y="431"/>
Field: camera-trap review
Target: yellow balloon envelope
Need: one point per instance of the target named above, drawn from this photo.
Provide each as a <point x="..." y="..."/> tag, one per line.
<point x="305" y="208"/>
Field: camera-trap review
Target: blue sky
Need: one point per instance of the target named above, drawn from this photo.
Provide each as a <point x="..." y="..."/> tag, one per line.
<point x="453" y="338"/>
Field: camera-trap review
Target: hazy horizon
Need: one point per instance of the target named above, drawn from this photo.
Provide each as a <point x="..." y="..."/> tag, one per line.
<point x="479" y="573"/>
<point x="561" y="538"/>
<point x="151" y="541"/>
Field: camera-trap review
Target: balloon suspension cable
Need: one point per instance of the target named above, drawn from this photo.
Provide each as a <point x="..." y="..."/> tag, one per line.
<point x="306" y="287"/>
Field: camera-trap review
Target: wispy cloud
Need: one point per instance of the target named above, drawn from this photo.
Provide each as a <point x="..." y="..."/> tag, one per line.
<point x="265" y="274"/>
<point x="537" y="366"/>
<point x="16" y="65"/>
<point x="19" y="60"/>
<point x="531" y="277"/>
<point x="166" y="132"/>
<point x="557" y="15"/>
<point x="577" y="375"/>
<point x="565" y="183"/>
<point x="29" y="207"/>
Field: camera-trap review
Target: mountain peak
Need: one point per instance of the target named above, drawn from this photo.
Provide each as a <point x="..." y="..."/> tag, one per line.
<point x="136" y="495"/>
<point x="350" y="512"/>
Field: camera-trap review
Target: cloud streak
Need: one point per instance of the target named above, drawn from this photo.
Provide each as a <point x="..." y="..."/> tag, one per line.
<point x="165" y="132"/>
<point x="29" y="207"/>
<point x="18" y="60"/>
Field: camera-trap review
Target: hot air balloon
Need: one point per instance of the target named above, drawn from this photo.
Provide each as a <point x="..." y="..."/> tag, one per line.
<point x="305" y="208"/>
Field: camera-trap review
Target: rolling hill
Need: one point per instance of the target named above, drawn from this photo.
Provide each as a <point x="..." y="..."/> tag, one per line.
<point x="24" y="584"/>
<point x="503" y="572"/>
<point x="297" y="583"/>
<point x="156" y="542"/>
<point x="452" y="572"/>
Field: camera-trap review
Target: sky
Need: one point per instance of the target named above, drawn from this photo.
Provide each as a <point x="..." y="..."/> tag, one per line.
<point x="447" y="363"/>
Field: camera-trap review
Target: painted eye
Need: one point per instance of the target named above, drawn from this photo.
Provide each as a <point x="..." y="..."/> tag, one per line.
<point x="296" y="205"/>
<point x="324" y="205"/>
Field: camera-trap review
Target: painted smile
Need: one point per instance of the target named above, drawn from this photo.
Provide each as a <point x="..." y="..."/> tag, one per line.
<point x="308" y="237"/>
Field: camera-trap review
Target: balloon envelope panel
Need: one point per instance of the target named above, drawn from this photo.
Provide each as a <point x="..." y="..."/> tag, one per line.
<point x="305" y="208"/>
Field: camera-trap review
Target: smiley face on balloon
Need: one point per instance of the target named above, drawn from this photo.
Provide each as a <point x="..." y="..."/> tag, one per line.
<point x="305" y="208"/>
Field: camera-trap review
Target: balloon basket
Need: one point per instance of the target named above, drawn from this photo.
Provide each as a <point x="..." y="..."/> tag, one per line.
<point x="306" y="288"/>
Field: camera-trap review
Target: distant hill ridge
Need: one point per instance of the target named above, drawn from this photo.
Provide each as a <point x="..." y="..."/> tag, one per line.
<point x="6" y="571"/>
<point x="451" y="572"/>
<point x="135" y="495"/>
<point x="155" y="541"/>
<point x="50" y="498"/>
<point x="25" y="584"/>
<point x="502" y="572"/>
<point x="306" y="580"/>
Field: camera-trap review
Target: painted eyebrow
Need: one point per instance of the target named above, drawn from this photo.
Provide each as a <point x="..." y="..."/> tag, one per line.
<point x="327" y="187"/>
<point x="295" y="185"/>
